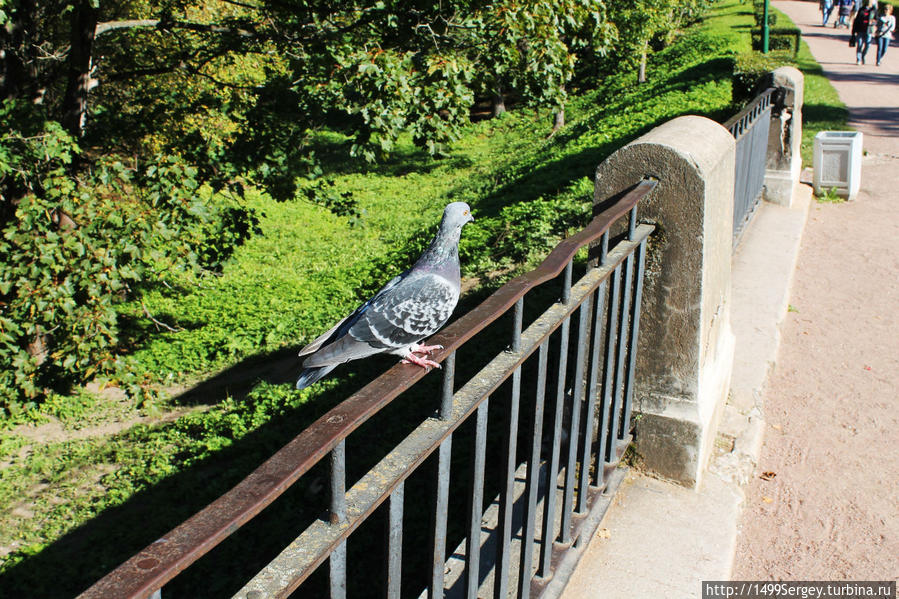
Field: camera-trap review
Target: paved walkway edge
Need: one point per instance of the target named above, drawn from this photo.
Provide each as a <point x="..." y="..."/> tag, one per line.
<point x="659" y="539"/>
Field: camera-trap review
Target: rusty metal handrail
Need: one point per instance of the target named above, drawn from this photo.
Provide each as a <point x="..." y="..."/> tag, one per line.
<point x="158" y="563"/>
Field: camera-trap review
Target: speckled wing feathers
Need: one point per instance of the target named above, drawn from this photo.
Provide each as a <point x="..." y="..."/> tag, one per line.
<point x="414" y="310"/>
<point x="400" y="315"/>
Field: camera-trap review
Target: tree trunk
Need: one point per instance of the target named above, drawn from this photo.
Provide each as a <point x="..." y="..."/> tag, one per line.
<point x="559" y="119"/>
<point x="74" y="105"/>
<point x="499" y="103"/>
<point x="641" y="75"/>
<point x="559" y="116"/>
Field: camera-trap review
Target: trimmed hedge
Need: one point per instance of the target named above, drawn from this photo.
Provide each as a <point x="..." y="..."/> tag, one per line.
<point x="779" y="38"/>
<point x="751" y="67"/>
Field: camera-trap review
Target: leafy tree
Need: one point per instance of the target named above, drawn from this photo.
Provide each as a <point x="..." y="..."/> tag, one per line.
<point x="640" y="22"/>
<point x="72" y="247"/>
<point x="200" y="98"/>
<point x="530" y="47"/>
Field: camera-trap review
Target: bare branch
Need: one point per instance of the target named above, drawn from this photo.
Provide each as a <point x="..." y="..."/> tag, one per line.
<point x="108" y="26"/>
<point x="159" y="324"/>
<point x="128" y="24"/>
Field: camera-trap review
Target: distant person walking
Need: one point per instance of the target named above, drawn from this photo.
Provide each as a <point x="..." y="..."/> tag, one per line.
<point x="886" y="25"/>
<point x="862" y="29"/>
<point x="845" y="8"/>
<point x="826" y="9"/>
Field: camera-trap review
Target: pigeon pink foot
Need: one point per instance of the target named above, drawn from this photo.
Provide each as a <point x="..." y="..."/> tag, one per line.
<point x="425" y="349"/>
<point x="423" y="362"/>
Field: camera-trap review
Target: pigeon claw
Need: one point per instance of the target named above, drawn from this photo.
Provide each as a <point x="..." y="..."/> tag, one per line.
<point x="423" y="362"/>
<point x="425" y="349"/>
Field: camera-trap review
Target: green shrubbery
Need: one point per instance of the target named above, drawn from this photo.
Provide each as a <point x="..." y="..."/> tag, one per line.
<point x="303" y="271"/>
<point x="75" y="242"/>
<point x="750" y="68"/>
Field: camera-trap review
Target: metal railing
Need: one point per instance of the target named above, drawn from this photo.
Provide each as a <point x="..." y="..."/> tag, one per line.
<point x="750" y="128"/>
<point x="550" y="500"/>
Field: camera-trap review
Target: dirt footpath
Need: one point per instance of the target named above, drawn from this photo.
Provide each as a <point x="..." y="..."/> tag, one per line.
<point x="830" y="509"/>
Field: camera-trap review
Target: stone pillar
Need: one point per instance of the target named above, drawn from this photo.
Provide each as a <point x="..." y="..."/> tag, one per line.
<point x="784" y="160"/>
<point x="685" y="352"/>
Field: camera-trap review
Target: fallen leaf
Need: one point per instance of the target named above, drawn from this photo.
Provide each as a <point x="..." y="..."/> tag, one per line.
<point x="603" y="533"/>
<point x="767" y="475"/>
<point x="867" y="368"/>
<point x="776" y="427"/>
<point x="767" y="499"/>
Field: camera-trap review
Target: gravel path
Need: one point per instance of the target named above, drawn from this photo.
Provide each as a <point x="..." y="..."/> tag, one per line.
<point x="831" y="509"/>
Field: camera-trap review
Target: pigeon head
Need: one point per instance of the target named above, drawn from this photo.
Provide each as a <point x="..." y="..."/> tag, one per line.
<point x="456" y="216"/>
<point x="444" y="247"/>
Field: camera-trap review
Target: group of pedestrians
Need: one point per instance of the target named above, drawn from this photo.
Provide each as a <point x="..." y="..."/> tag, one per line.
<point x="868" y="24"/>
<point x="845" y="9"/>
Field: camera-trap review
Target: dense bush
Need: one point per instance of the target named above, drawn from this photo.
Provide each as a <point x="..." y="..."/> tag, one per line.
<point x="750" y="68"/>
<point x="78" y="239"/>
<point x="779" y="38"/>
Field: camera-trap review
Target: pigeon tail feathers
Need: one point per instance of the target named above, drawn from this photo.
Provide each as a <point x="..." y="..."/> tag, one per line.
<point x="311" y="375"/>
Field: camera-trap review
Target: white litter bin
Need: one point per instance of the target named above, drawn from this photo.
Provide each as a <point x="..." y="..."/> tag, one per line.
<point x="838" y="162"/>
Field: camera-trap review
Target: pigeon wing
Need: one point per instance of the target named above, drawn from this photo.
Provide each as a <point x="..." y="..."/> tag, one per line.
<point x="410" y="313"/>
<point x="337" y="332"/>
<point x="398" y="316"/>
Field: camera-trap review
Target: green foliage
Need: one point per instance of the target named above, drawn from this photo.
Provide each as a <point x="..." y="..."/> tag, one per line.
<point x="390" y="93"/>
<point x="758" y="13"/>
<point x="74" y="244"/>
<point x="647" y="25"/>
<point x="301" y="273"/>
<point x="779" y="39"/>
<point x="530" y="48"/>
<point x="750" y="68"/>
<point x="830" y="196"/>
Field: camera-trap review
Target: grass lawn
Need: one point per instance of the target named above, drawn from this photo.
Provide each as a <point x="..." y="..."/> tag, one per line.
<point x="94" y="478"/>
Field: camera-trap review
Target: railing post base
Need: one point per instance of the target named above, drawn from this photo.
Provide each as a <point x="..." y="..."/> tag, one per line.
<point x="784" y="160"/>
<point x="685" y="348"/>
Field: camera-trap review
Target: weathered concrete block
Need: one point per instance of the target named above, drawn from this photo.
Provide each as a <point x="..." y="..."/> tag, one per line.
<point x="685" y="352"/>
<point x="784" y="160"/>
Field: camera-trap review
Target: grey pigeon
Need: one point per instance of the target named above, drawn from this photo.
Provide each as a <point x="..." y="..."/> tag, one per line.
<point x="409" y="308"/>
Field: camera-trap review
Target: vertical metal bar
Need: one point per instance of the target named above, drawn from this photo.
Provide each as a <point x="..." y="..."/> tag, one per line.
<point x="620" y="360"/>
<point x="573" y="439"/>
<point x="395" y="541"/>
<point x="337" y="559"/>
<point x="592" y="390"/>
<point x="533" y="480"/>
<point x="338" y="483"/>
<point x="449" y="374"/>
<point x="566" y="285"/>
<point x="507" y="496"/>
<point x="604" y="248"/>
<point x="476" y="505"/>
<point x="337" y="565"/>
<point x="632" y="223"/>
<point x="609" y="371"/>
<point x="634" y="336"/>
<point x="552" y="476"/>
<point x="438" y="563"/>
<point x="519" y="317"/>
